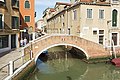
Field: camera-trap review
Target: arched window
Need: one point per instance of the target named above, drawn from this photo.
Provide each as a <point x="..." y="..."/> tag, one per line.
<point x="114" y="18"/>
<point x="27" y="4"/>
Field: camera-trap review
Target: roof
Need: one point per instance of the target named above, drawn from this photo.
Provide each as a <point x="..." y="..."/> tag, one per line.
<point x="62" y="3"/>
<point x="52" y="10"/>
<point x="81" y="3"/>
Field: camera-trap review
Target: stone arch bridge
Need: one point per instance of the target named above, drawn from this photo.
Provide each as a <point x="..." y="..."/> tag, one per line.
<point x="91" y="49"/>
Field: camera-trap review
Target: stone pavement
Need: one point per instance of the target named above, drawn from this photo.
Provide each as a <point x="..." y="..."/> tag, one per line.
<point x="10" y="56"/>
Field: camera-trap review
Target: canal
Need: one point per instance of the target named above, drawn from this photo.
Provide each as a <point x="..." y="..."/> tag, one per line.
<point x="65" y="66"/>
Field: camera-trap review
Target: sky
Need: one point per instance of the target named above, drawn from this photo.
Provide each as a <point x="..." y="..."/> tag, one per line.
<point x="41" y="5"/>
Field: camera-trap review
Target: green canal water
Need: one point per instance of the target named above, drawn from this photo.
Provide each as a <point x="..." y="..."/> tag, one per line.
<point x="62" y="65"/>
<point x="75" y="69"/>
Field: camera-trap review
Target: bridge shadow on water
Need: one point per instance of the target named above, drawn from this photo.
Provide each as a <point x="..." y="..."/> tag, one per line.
<point x="45" y="68"/>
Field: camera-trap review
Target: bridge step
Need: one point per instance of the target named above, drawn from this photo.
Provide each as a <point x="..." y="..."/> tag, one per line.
<point x="116" y="62"/>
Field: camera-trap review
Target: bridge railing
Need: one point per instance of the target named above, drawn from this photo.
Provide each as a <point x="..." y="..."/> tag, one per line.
<point x="4" y="71"/>
<point x="12" y="66"/>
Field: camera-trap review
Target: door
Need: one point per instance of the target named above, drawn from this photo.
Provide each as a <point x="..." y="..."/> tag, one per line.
<point x="13" y="41"/>
<point x="101" y="38"/>
<point x="114" y="38"/>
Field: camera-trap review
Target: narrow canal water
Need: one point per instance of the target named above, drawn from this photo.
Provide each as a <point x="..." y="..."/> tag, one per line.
<point x="72" y="68"/>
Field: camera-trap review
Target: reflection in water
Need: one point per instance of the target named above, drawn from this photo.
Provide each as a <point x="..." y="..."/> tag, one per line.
<point x="75" y="69"/>
<point x="43" y="67"/>
<point x="69" y="78"/>
<point x="68" y="68"/>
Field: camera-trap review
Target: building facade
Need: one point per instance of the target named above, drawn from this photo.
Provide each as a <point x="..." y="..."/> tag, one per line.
<point x="94" y="20"/>
<point x="27" y="19"/>
<point x="9" y="25"/>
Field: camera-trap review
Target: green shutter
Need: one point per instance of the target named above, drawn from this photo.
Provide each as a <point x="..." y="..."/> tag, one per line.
<point x="27" y="5"/>
<point x="114" y="18"/>
<point x="27" y="18"/>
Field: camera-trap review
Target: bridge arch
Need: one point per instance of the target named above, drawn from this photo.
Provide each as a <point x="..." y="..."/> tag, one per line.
<point x="89" y="48"/>
<point x="62" y="44"/>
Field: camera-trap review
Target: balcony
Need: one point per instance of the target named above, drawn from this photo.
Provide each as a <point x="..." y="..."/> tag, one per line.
<point x="2" y="2"/>
<point x="15" y="4"/>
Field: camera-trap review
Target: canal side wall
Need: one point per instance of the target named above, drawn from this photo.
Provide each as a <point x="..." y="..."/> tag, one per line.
<point x="23" y="71"/>
<point x="81" y="55"/>
<point x="27" y="70"/>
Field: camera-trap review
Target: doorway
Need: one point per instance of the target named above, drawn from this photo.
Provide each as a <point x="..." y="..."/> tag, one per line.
<point x="13" y="41"/>
<point x="114" y="38"/>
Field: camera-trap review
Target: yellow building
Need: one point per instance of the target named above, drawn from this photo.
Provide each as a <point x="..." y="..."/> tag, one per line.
<point x="9" y="25"/>
<point x="94" y="20"/>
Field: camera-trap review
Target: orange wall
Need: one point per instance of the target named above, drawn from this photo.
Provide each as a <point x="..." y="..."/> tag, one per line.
<point x="27" y="12"/>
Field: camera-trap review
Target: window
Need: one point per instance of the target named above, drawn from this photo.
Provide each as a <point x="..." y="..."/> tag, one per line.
<point x="94" y="32"/>
<point x="20" y="22"/>
<point x="114" y="38"/>
<point x="74" y="14"/>
<point x="27" y="4"/>
<point x="101" y="31"/>
<point x="89" y="13"/>
<point x="15" y="22"/>
<point x="27" y="18"/>
<point x="1" y="26"/>
<point x="101" y="14"/>
<point x="4" y="41"/>
<point x="63" y="17"/>
<point x="60" y="19"/>
<point x="115" y="1"/>
<point x="15" y="3"/>
<point x="114" y="18"/>
<point x="101" y="36"/>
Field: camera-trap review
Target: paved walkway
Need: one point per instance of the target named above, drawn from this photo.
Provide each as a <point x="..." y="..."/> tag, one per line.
<point x="9" y="56"/>
<point x="5" y="58"/>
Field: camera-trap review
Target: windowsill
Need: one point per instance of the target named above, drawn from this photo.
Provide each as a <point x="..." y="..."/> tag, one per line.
<point x="114" y="46"/>
<point x="26" y="22"/>
<point x="27" y="8"/>
<point x="89" y="18"/>
<point x="115" y="2"/>
<point x="15" y="7"/>
<point x="15" y="29"/>
<point x="101" y="19"/>
<point x="114" y="27"/>
<point x="1" y="30"/>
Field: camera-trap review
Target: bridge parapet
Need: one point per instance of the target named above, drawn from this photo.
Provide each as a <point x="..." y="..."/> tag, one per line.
<point x="91" y="49"/>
